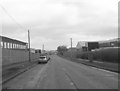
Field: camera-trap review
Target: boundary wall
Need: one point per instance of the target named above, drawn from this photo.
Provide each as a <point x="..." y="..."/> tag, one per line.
<point x="15" y="51"/>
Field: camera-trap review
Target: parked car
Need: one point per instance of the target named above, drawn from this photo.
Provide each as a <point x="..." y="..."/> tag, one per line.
<point x="43" y="59"/>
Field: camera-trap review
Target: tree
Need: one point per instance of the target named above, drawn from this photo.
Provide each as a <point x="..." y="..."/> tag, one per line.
<point x="61" y="49"/>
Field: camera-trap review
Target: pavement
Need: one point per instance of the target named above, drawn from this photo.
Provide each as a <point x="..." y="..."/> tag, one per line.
<point x="59" y="73"/>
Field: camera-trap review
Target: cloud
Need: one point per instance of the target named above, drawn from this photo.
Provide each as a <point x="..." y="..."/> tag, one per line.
<point x="53" y="22"/>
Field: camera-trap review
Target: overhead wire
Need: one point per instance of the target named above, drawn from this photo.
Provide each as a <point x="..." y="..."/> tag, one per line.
<point x="4" y="9"/>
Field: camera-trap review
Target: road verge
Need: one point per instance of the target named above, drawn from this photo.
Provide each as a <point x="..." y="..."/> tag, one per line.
<point x="101" y="65"/>
<point x="15" y="70"/>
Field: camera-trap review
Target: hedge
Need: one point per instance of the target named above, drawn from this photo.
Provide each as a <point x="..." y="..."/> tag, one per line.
<point x="107" y="54"/>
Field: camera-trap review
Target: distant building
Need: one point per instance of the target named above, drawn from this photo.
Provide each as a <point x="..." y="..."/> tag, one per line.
<point x="92" y="45"/>
<point x="110" y="43"/>
<point x="87" y="46"/>
<point x="84" y="48"/>
<point x="81" y="46"/>
<point x="38" y="51"/>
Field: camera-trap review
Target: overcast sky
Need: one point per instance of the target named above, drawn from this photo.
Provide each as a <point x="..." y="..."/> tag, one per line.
<point x="54" y="22"/>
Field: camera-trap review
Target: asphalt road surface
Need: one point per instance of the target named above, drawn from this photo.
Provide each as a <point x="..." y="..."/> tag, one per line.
<point x="60" y="73"/>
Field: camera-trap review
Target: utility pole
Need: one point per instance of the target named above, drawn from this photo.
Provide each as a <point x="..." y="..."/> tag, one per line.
<point x="71" y="46"/>
<point x="29" y="45"/>
<point x="71" y="42"/>
<point x="43" y="48"/>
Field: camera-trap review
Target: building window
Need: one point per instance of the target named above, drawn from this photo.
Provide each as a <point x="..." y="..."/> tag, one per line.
<point x="4" y="44"/>
<point x="1" y="44"/>
<point x="8" y="45"/>
<point x="15" y="46"/>
<point x="11" y="45"/>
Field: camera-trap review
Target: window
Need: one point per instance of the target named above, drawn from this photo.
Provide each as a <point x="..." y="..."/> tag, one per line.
<point x="1" y="44"/>
<point x="4" y="44"/>
<point x="11" y="45"/>
<point x="8" y="45"/>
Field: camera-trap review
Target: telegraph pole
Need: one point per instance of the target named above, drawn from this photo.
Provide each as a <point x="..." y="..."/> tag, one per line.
<point x="71" y="42"/>
<point x="71" y="46"/>
<point x="43" y="48"/>
<point x="29" y="45"/>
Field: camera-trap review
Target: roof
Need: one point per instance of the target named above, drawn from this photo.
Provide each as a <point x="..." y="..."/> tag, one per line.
<point x="6" y="39"/>
<point x="110" y="40"/>
<point x="83" y="43"/>
<point x="80" y="44"/>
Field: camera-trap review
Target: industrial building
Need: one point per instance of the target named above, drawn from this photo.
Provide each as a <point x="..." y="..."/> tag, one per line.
<point x="110" y="43"/>
<point x="93" y="45"/>
<point x="15" y="51"/>
<point x="83" y="46"/>
<point x="8" y="43"/>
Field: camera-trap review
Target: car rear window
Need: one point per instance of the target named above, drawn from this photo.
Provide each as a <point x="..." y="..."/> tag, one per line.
<point x="42" y="57"/>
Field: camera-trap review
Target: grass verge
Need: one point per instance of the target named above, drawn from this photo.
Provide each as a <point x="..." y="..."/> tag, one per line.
<point x="114" y="67"/>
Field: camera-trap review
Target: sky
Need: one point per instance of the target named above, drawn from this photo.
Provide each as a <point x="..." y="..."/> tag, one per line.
<point x="54" y="22"/>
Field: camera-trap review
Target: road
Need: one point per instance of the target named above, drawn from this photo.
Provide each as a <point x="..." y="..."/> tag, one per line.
<point x="60" y="73"/>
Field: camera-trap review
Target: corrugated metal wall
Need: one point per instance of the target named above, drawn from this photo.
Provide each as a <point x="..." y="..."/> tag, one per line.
<point x="14" y="51"/>
<point x="10" y="56"/>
